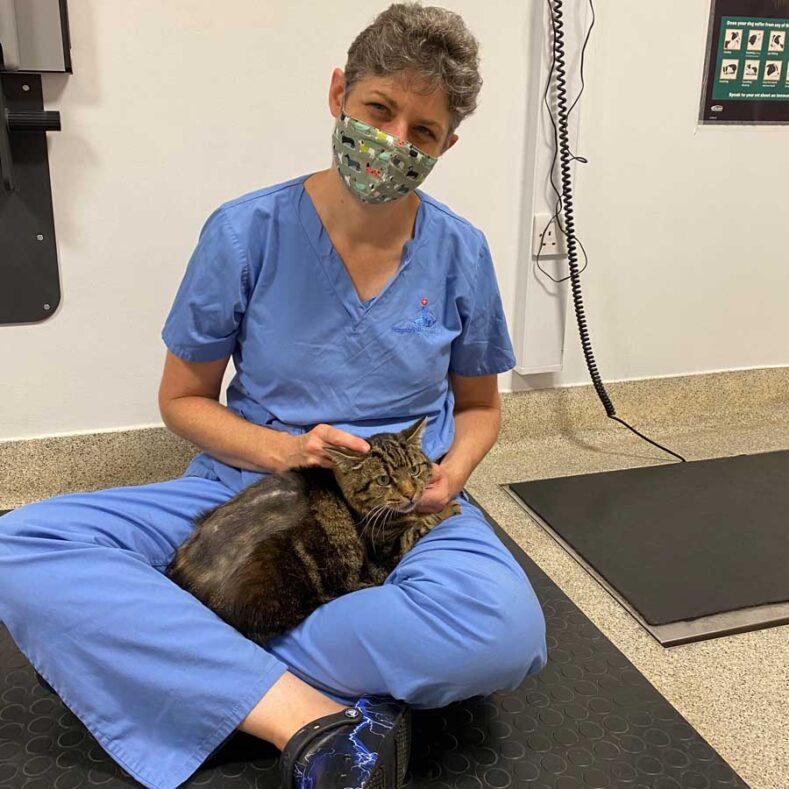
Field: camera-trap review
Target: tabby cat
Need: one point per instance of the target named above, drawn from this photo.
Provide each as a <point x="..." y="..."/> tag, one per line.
<point x="267" y="558"/>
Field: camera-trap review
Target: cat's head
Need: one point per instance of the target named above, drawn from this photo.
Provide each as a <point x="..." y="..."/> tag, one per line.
<point x="390" y="478"/>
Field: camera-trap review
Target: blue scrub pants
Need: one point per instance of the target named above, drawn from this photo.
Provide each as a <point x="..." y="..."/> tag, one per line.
<point x="161" y="681"/>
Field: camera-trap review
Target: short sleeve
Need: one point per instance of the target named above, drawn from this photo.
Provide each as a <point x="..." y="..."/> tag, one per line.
<point x="483" y="346"/>
<point x="210" y="302"/>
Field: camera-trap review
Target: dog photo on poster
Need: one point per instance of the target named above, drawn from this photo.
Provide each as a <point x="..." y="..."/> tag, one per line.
<point x="746" y="72"/>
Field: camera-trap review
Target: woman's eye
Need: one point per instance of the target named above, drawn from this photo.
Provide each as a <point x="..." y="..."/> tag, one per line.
<point x="383" y="479"/>
<point x="422" y="130"/>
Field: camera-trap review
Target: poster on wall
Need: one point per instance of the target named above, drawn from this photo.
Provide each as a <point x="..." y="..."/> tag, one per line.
<point x="746" y="71"/>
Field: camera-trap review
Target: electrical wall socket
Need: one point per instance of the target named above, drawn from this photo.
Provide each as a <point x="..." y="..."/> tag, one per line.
<point x="547" y="240"/>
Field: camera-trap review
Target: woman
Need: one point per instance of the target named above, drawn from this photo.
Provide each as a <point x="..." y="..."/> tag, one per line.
<point x="351" y="302"/>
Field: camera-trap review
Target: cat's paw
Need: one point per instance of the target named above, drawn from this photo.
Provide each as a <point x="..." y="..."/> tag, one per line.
<point x="373" y="575"/>
<point x="453" y="508"/>
<point x="379" y="575"/>
<point x="364" y="585"/>
<point x="409" y="538"/>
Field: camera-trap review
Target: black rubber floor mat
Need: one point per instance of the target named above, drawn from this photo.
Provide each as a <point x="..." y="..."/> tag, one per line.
<point x="679" y="541"/>
<point x="589" y="719"/>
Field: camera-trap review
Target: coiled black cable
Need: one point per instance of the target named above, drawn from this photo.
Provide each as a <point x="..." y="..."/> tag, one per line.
<point x="565" y="158"/>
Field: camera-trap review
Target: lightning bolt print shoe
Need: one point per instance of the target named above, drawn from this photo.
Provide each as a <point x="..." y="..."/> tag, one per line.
<point x="366" y="746"/>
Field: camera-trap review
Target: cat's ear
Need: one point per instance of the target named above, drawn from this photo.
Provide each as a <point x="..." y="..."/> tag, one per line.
<point x="413" y="434"/>
<point x="344" y="459"/>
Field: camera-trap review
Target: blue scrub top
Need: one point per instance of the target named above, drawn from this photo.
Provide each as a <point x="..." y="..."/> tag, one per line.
<point x="266" y="285"/>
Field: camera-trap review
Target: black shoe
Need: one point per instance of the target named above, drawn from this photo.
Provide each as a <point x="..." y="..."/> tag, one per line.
<point x="366" y="746"/>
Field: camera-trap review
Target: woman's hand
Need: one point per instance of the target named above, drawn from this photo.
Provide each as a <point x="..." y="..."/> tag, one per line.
<point x="308" y="449"/>
<point x="438" y="493"/>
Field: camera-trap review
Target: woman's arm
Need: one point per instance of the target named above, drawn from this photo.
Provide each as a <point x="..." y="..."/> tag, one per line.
<point x="190" y="407"/>
<point x="477" y="420"/>
<point x="477" y="416"/>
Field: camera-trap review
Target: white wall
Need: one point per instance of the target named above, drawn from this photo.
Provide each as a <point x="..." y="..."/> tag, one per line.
<point x="686" y="226"/>
<point x="175" y="107"/>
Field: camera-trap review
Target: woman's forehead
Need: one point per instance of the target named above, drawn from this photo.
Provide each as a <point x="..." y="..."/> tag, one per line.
<point x="404" y="86"/>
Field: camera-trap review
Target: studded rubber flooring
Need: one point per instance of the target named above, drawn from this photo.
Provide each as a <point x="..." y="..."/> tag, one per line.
<point x="589" y="719"/>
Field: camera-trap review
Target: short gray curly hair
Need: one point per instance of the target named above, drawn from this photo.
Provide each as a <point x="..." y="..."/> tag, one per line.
<point x="431" y="41"/>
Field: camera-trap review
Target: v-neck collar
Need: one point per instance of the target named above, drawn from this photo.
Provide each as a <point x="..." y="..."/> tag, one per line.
<point x="332" y="263"/>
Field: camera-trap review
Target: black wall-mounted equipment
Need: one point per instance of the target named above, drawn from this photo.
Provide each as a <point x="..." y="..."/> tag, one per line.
<point x="34" y="39"/>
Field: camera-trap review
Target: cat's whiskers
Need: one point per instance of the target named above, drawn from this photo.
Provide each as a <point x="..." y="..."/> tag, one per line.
<point x="378" y="516"/>
<point x="388" y="511"/>
<point x="366" y="518"/>
<point x="370" y="517"/>
<point x="380" y="513"/>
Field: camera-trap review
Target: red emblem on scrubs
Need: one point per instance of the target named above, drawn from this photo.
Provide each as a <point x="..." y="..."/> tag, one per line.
<point x="423" y="301"/>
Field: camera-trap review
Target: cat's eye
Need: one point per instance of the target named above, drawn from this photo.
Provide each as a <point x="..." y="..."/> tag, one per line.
<point x="416" y="469"/>
<point x="383" y="479"/>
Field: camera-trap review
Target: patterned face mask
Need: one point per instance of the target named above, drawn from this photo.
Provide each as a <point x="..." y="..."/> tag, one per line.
<point x="375" y="166"/>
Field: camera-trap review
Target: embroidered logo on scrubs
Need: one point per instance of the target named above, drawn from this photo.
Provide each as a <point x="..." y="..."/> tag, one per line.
<point x="422" y="323"/>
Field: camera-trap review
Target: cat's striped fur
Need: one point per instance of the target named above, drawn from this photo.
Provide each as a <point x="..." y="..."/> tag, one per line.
<point x="268" y="557"/>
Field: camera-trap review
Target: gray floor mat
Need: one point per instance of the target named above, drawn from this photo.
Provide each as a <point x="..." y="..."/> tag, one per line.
<point x="716" y="528"/>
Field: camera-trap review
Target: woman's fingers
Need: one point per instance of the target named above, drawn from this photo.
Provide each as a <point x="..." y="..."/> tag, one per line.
<point x="342" y="440"/>
<point x="322" y="437"/>
<point x="309" y="449"/>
